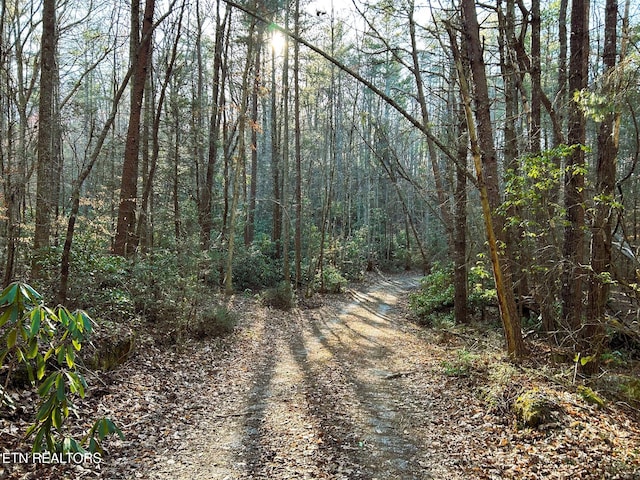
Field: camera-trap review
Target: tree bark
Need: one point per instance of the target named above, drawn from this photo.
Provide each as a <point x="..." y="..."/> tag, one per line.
<point x="276" y="234"/>
<point x="460" y="275"/>
<point x="77" y="186"/>
<point x="573" y="249"/>
<point x="445" y="213"/>
<point x="217" y="94"/>
<point x="239" y="160"/>
<point x="485" y="161"/>
<point x="125" y="241"/>
<point x="250" y="226"/>
<point x="286" y="224"/>
<point x="46" y="168"/>
<point x="298" y="149"/>
<point x="601" y="230"/>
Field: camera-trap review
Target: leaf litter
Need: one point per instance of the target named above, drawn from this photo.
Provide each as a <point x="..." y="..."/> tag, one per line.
<point x="351" y="390"/>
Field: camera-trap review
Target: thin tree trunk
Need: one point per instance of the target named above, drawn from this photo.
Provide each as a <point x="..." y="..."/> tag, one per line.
<point x="286" y="224"/>
<point x="175" y="190"/>
<point x="275" y="161"/>
<point x="601" y="230"/>
<point x="460" y="275"/>
<point x="445" y="213"/>
<point x="240" y="161"/>
<point x="217" y="94"/>
<point x="253" y="187"/>
<point x="536" y="82"/>
<point x="77" y="186"/>
<point x="298" y="149"/>
<point x="155" y="135"/>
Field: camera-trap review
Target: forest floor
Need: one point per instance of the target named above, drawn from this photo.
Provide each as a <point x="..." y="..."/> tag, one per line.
<point x="348" y="389"/>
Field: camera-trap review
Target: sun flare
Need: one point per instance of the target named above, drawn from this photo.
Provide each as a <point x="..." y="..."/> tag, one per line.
<point x="278" y="42"/>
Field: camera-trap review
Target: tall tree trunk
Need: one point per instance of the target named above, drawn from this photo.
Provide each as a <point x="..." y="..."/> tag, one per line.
<point x="46" y="167"/>
<point x="217" y="94"/>
<point x="460" y="275"/>
<point x="239" y="160"/>
<point x="77" y="186"/>
<point x="445" y="213"/>
<point x="286" y="223"/>
<point x="276" y="233"/>
<point x="250" y="227"/>
<point x="536" y="82"/>
<point x="601" y="229"/>
<point x="125" y="242"/>
<point x="573" y="249"/>
<point x="507" y="43"/>
<point x="142" y="229"/>
<point x="298" y="149"/>
<point x="175" y="191"/>
<point x="485" y="161"/>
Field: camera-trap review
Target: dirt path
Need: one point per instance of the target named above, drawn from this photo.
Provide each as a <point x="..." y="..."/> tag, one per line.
<point x="326" y="397"/>
<point x="353" y="390"/>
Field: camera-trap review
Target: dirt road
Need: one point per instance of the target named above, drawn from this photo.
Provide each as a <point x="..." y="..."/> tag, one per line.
<point x="326" y="394"/>
<point x="351" y="390"/>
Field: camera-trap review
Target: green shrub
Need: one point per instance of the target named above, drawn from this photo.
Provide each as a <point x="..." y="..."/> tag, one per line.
<point x="460" y="366"/>
<point x="481" y="286"/>
<point x="281" y="297"/>
<point x="163" y="287"/>
<point x="253" y="269"/>
<point x="213" y="322"/>
<point x="437" y="292"/>
<point x="331" y="281"/>
<point x="47" y="341"/>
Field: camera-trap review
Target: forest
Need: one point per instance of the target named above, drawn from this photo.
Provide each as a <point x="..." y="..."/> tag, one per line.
<point x="160" y="158"/>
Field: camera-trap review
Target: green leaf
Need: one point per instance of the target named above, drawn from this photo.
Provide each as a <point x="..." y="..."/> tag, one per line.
<point x="12" y="337"/>
<point x="36" y="320"/>
<point x="29" y="292"/>
<point x="103" y="429"/>
<point x="32" y="378"/>
<point x="60" y="388"/>
<point x="30" y="430"/>
<point x="10" y="314"/>
<point x="63" y="316"/>
<point x="56" y="418"/>
<point x="76" y="344"/>
<point x="32" y="349"/>
<point x="86" y="320"/>
<point x="8" y="295"/>
<point x="45" y="409"/>
<point x="70" y="357"/>
<point x="77" y="383"/>
<point x="45" y="387"/>
<point x="113" y="428"/>
<point x="585" y="360"/>
<point x="41" y="367"/>
<point x="61" y="350"/>
<point x="94" y="446"/>
<point x="37" y="442"/>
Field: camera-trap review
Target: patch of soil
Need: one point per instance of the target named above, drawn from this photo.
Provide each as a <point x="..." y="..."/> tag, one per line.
<point x="352" y="389"/>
